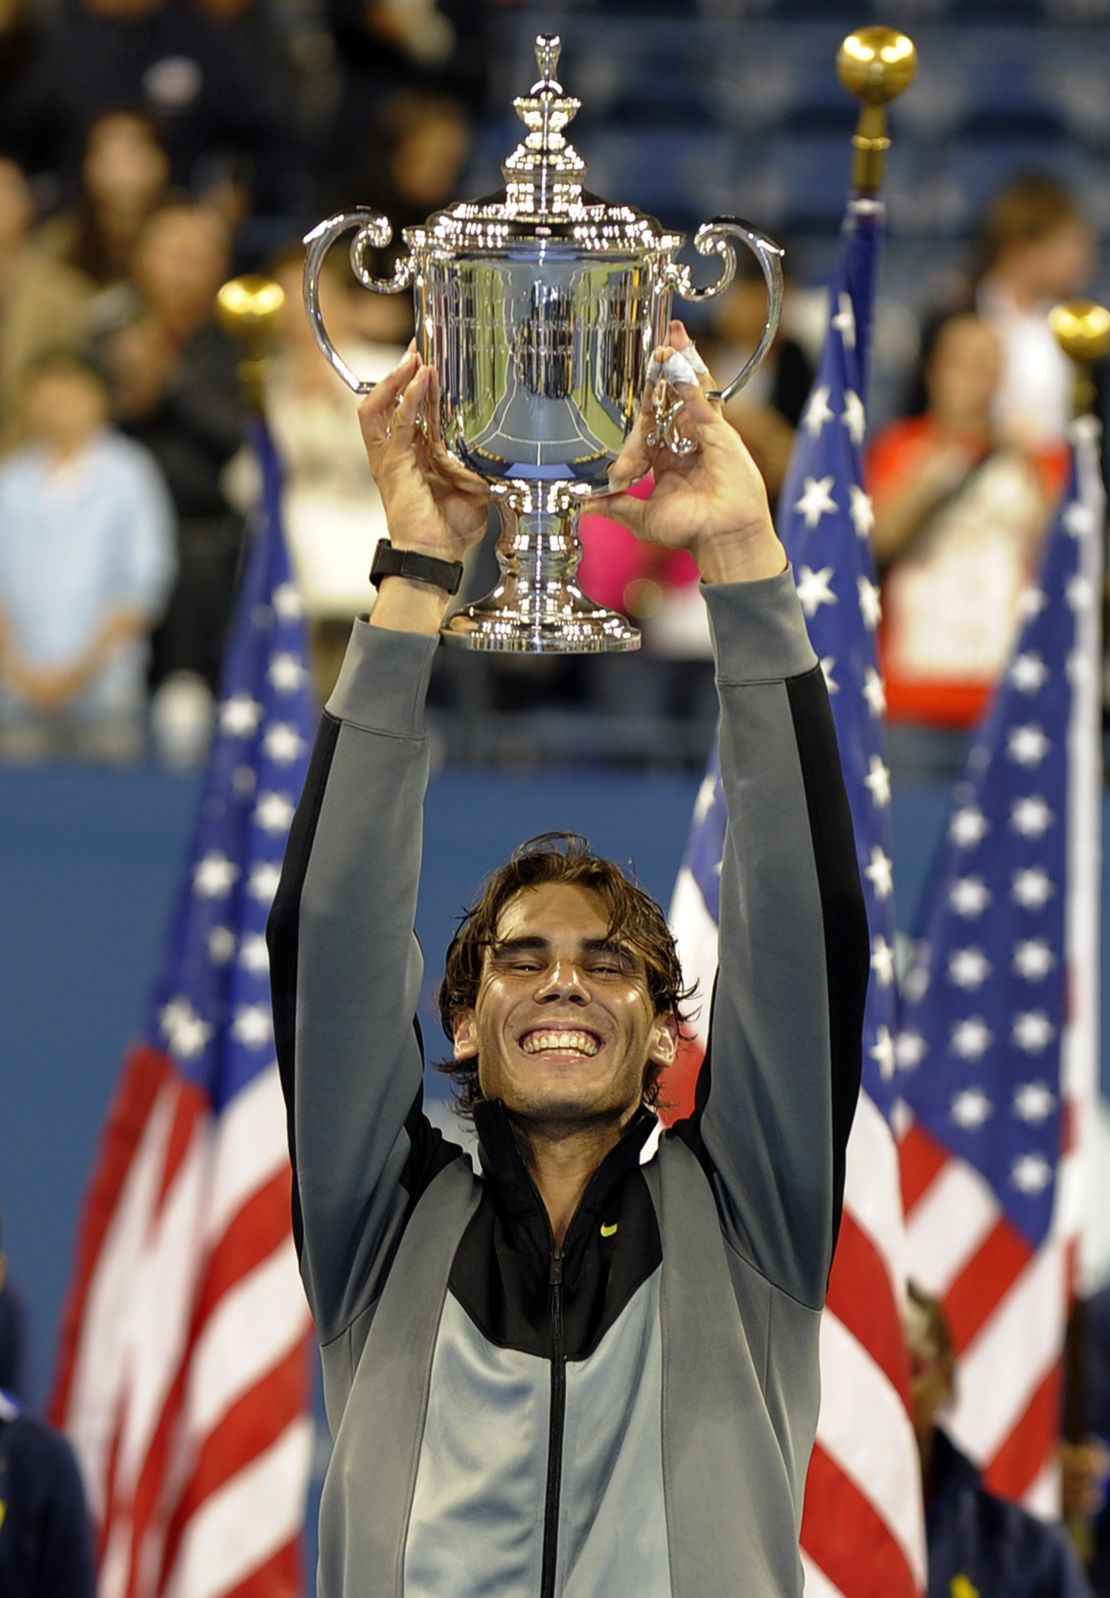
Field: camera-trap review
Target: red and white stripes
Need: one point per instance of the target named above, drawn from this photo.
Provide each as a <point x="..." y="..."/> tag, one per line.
<point x="184" y="1377"/>
<point x="1006" y="1305"/>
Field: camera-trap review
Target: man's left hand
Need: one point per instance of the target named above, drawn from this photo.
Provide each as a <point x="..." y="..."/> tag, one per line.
<point x="712" y="501"/>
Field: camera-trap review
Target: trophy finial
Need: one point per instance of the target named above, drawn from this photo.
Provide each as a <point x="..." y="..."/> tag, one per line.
<point x="544" y="173"/>
<point x="876" y="65"/>
<point x="1082" y="329"/>
<point x="549" y="47"/>
<point x="248" y="308"/>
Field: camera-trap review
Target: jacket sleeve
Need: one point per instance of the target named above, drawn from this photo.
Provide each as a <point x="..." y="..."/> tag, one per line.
<point x="346" y="972"/>
<point x="778" y="1088"/>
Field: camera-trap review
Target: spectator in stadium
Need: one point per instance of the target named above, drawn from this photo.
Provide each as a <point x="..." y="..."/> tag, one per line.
<point x="495" y="1344"/>
<point x="1036" y="247"/>
<point x="14" y="1341"/>
<point x="124" y="175"/>
<point x="178" y="393"/>
<point x="86" y="561"/>
<point x="960" y="515"/>
<point x="42" y="302"/>
<point x="977" y="1543"/>
<point x="225" y="120"/>
<point x="331" y="507"/>
<point x="1086" y="1464"/>
<point x="46" y="1540"/>
<point x="400" y="61"/>
<point x="768" y="409"/>
<point x="409" y="168"/>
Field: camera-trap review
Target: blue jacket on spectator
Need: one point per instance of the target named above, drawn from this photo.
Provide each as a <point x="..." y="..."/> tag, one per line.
<point x="46" y="1541"/>
<point x="15" y="1374"/>
<point x="997" y="1548"/>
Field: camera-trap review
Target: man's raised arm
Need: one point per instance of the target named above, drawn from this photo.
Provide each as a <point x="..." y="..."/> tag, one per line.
<point x="779" y="1086"/>
<point x="345" y="966"/>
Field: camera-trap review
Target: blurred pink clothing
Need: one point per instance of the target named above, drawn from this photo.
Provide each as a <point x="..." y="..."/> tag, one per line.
<point x="613" y="558"/>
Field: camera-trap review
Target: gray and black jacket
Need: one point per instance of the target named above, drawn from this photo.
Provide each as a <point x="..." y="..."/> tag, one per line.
<point x="630" y="1417"/>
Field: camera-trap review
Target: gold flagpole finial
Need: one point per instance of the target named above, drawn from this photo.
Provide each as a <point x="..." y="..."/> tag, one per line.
<point x="1082" y="329"/>
<point x="248" y="308"/>
<point x="875" y="65"/>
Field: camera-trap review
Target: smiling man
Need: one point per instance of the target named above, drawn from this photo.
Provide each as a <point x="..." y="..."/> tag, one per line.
<point x="587" y="1369"/>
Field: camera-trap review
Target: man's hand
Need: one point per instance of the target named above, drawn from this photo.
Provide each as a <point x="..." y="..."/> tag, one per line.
<point x="432" y="503"/>
<point x="712" y="502"/>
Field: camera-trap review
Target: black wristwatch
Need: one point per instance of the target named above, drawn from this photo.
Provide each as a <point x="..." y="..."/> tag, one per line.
<point x="390" y="562"/>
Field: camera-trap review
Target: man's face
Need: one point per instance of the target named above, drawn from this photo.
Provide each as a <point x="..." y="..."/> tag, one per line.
<point x="563" y="1027"/>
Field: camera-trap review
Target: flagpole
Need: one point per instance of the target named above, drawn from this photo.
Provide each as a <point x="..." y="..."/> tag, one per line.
<point x="248" y="308"/>
<point x="1082" y="330"/>
<point x="875" y="65"/>
<point x="863" y="1530"/>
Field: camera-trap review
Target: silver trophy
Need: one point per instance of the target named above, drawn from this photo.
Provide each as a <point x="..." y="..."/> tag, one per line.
<point x="541" y="308"/>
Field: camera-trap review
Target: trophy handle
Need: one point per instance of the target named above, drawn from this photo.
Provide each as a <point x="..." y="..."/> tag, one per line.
<point x="715" y="238"/>
<point x="373" y="229"/>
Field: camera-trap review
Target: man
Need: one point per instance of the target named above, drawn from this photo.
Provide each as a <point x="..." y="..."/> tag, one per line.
<point x="590" y="1369"/>
<point x="46" y="1539"/>
<point x="979" y="1546"/>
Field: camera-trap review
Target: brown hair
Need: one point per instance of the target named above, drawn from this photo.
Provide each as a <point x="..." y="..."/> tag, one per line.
<point x="634" y="918"/>
<point x="1031" y="207"/>
<point x="937" y="1321"/>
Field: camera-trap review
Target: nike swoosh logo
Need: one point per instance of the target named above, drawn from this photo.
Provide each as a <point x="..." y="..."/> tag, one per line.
<point x="607" y="1231"/>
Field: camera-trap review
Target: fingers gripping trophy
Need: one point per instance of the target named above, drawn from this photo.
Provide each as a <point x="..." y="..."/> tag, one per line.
<point x="550" y="372"/>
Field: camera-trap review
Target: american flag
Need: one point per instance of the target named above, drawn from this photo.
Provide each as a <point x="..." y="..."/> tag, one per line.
<point x="997" y="1046"/>
<point x="184" y="1379"/>
<point x="862" y="1533"/>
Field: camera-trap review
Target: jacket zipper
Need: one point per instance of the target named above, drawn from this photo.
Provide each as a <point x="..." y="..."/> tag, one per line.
<point x="555" y="1430"/>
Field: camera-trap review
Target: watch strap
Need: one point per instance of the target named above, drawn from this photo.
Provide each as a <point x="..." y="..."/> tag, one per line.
<point x="390" y="562"/>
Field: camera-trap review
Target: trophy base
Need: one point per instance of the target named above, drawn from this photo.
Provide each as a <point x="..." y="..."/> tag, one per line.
<point x="571" y="626"/>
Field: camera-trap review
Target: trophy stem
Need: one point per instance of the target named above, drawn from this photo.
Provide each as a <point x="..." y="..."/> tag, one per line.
<point x="537" y="607"/>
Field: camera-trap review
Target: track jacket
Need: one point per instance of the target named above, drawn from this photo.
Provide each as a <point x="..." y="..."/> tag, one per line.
<point x="631" y="1416"/>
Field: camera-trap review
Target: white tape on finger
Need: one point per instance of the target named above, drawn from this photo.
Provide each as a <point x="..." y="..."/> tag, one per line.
<point x="678" y="367"/>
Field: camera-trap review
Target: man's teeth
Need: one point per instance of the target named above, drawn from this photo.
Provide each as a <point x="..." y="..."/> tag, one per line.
<point x="567" y="1042"/>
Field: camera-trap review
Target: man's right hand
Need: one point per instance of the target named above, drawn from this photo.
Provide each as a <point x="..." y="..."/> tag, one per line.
<point x="433" y="504"/>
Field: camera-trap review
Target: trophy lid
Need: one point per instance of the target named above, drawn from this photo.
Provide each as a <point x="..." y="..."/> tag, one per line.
<point x="543" y="199"/>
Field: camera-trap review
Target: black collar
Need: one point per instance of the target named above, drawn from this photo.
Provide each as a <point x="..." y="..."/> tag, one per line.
<point x="503" y="1164"/>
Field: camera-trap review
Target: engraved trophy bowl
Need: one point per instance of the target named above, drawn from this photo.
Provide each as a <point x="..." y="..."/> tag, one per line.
<point x="541" y="308"/>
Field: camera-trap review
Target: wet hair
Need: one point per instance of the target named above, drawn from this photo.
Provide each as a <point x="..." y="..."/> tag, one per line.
<point x="634" y="919"/>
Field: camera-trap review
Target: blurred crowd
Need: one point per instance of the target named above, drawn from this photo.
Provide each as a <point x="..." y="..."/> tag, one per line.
<point x="149" y="148"/>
